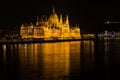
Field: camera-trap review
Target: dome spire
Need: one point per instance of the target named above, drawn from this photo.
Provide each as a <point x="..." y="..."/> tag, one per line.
<point x="53" y="9"/>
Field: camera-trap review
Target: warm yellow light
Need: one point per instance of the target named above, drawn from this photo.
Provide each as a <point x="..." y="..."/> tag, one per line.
<point x="4" y="53"/>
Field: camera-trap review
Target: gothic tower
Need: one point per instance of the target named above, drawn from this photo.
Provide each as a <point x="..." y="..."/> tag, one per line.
<point x="67" y="22"/>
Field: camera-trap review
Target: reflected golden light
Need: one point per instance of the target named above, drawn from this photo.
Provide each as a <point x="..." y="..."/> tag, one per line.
<point x="107" y="48"/>
<point x="11" y="49"/>
<point x="88" y="50"/>
<point x="92" y="51"/>
<point x="4" y="53"/>
<point x="51" y="60"/>
<point x="75" y="55"/>
<point x="56" y="57"/>
<point x="25" y="47"/>
<point x="35" y="54"/>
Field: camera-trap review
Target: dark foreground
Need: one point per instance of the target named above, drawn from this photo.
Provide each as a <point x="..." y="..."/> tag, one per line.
<point x="74" y="60"/>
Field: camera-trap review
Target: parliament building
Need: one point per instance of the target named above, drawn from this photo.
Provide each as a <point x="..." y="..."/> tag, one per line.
<point x="55" y="27"/>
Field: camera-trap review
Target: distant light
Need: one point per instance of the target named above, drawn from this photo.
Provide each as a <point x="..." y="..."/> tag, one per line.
<point x="107" y="22"/>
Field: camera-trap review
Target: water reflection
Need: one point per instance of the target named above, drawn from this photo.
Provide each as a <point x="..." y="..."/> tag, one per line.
<point x="112" y="57"/>
<point x="88" y="54"/>
<point x="4" y="55"/>
<point x="56" y="60"/>
<point x="45" y="61"/>
<point x="51" y="61"/>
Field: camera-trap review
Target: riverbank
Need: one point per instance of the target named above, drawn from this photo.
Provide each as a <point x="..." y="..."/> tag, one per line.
<point x="40" y="41"/>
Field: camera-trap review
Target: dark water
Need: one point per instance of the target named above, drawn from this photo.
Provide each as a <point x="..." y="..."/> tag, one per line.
<point x="79" y="60"/>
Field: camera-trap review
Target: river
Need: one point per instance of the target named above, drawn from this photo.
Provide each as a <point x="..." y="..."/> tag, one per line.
<point x="74" y="60"/>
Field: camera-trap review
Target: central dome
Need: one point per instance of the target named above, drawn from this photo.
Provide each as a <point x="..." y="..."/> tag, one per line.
<point x="53" y="18"/>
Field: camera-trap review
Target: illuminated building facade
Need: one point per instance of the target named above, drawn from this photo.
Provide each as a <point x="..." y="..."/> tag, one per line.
<point x="109" y="35"/>
<point x="52" y="28"/>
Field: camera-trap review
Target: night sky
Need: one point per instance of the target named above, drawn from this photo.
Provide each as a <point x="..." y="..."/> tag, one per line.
<point x="89" y="15"/>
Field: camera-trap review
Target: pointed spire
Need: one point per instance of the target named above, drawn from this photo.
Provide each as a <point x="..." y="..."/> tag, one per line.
<point x="45" y="18"/>
<point x="22" y="25"/>
<point x="67" y="20"/>
<point x="53" y="9"/>
<point x="41" y="18"/>
<point x="37" y="20"/>
<point x="61" y="18"/>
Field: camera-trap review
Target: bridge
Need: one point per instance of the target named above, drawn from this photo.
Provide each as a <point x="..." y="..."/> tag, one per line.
<point x="111" y="22"/>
